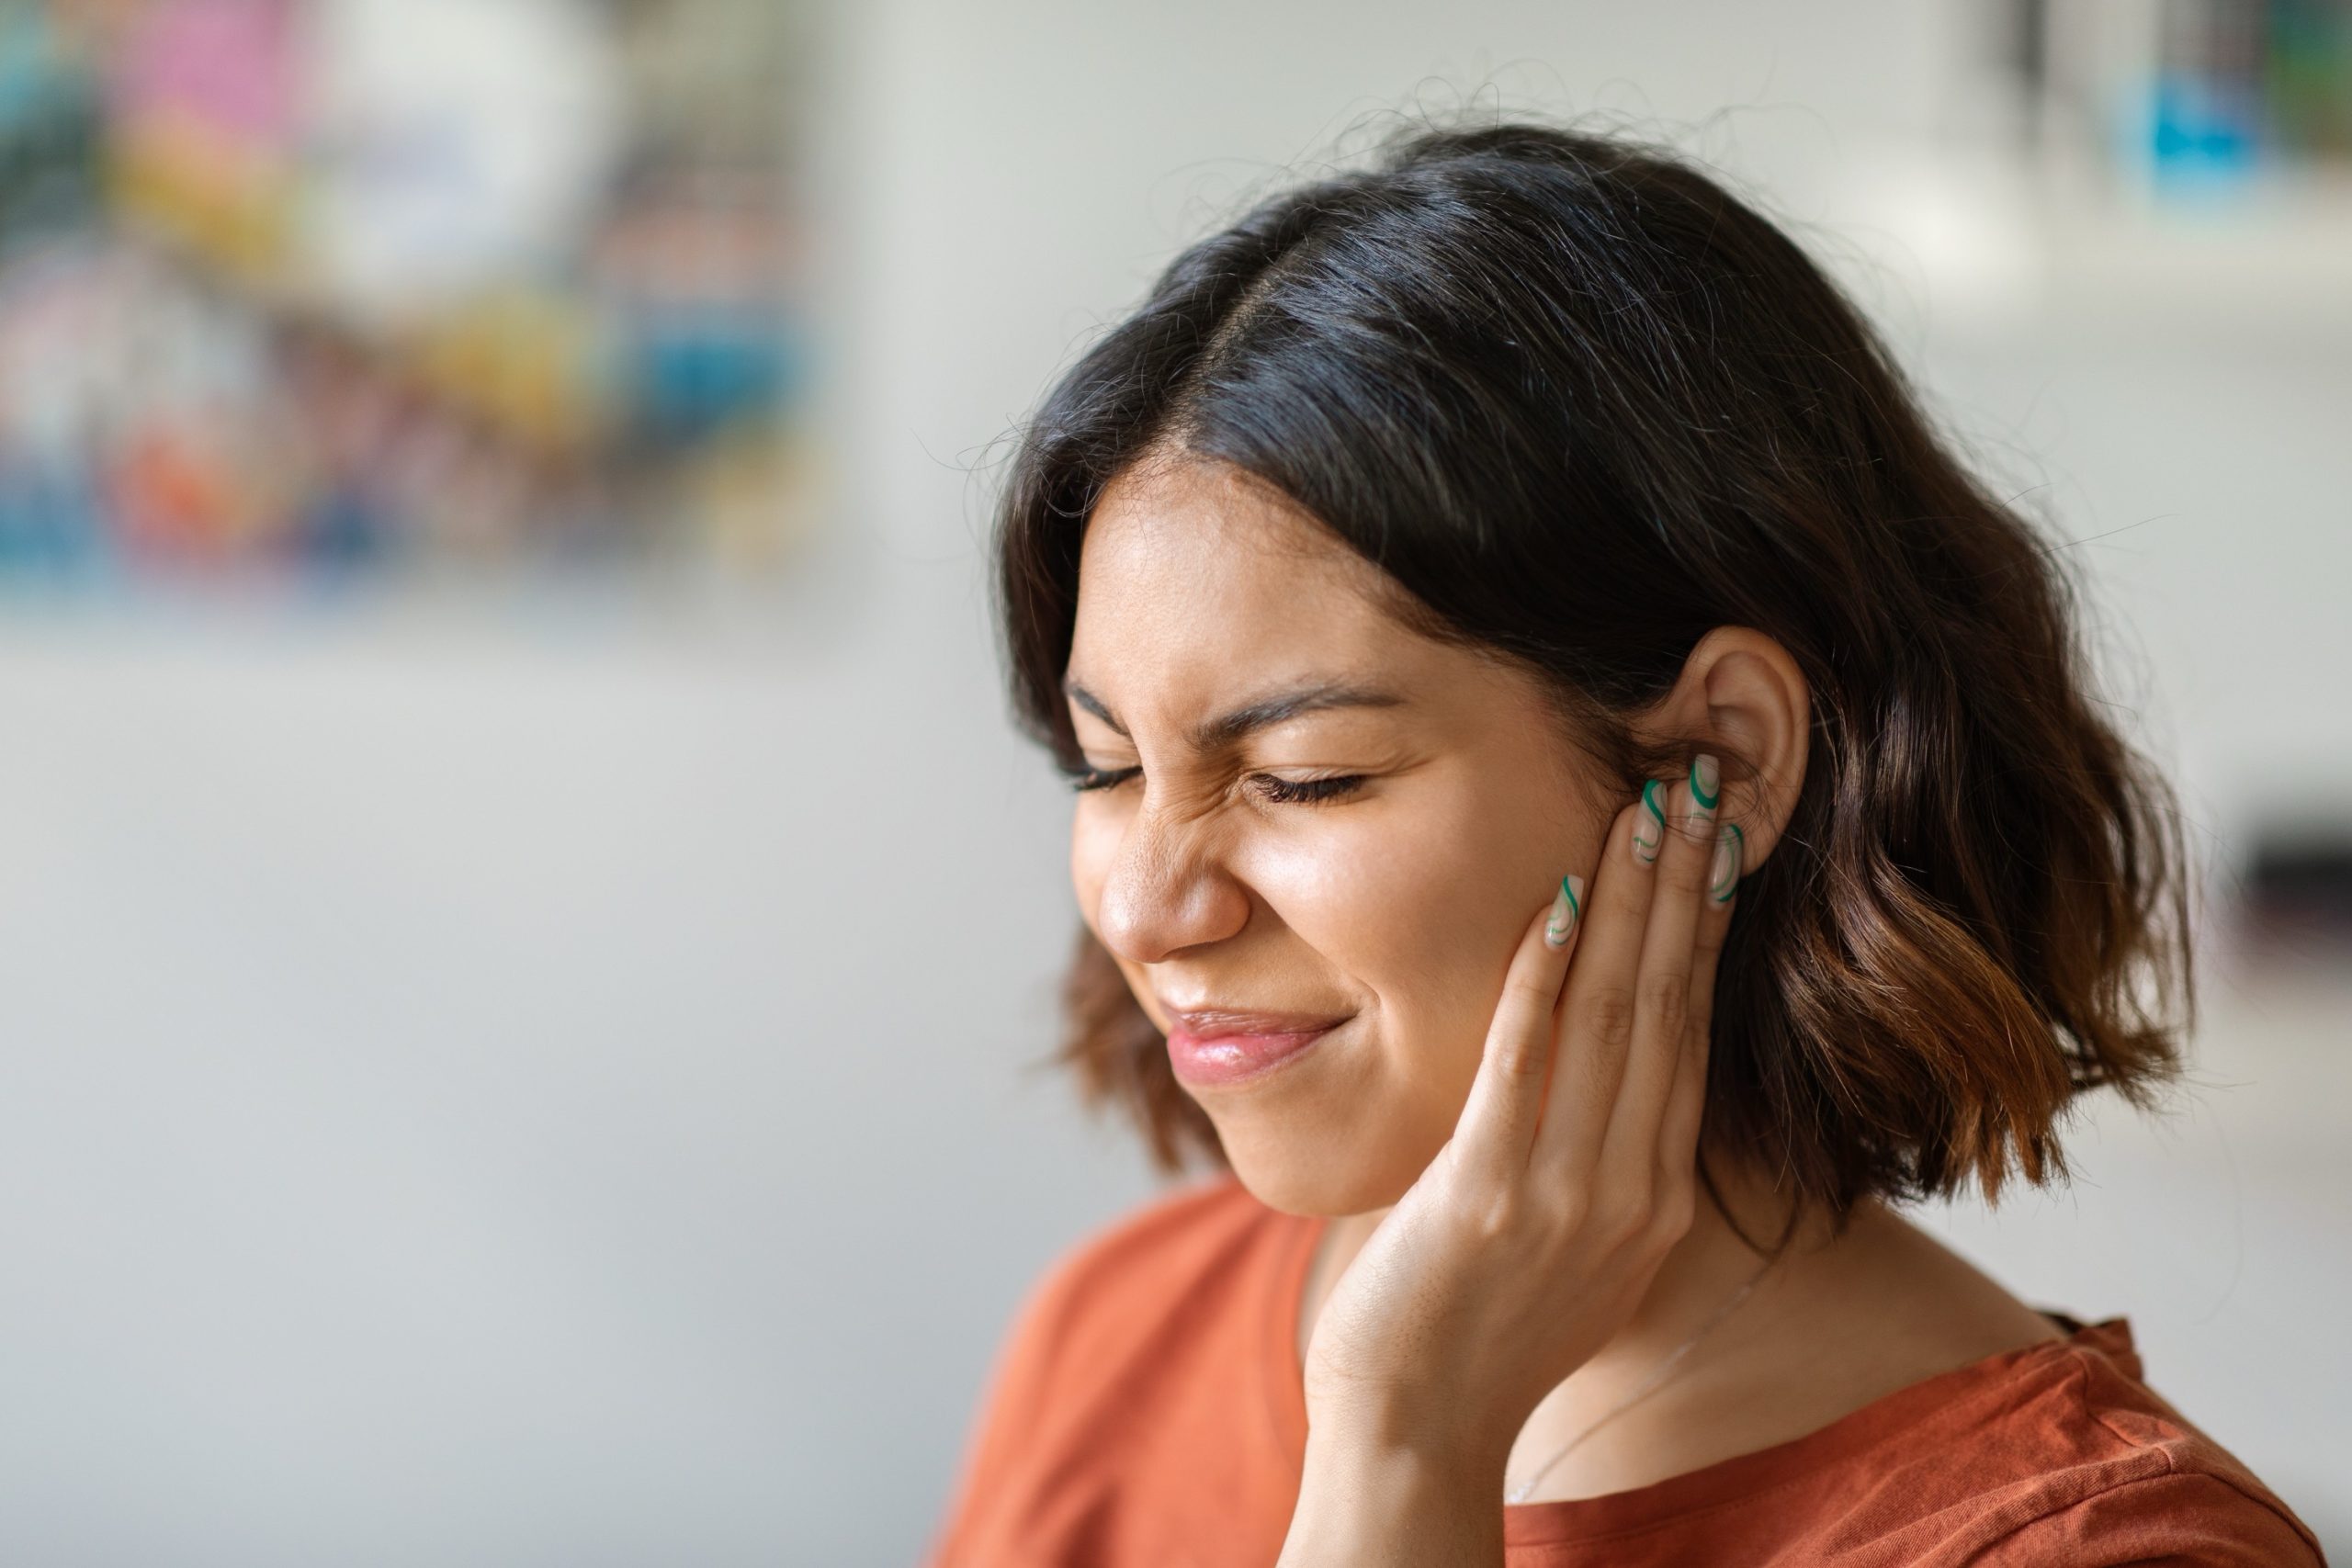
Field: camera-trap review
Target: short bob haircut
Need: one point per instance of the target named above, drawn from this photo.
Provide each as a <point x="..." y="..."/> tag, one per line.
<point x="1581" y="404"/>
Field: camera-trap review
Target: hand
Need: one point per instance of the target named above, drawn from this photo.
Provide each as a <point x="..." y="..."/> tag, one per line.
<point x="1535" y="1232"/>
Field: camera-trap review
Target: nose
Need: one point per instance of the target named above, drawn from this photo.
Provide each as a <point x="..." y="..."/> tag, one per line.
<point x="1165" y="885"/>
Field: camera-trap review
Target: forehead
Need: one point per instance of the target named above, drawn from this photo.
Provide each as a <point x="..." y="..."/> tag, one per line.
<point x="1197" y="562"/>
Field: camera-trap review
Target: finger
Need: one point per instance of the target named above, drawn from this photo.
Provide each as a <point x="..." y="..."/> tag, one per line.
<point x="1596" y="1013"/>
<point x="1686" y="1104"/>
<point x="1662" y="1018"/>
<point x="1498" y="1122"/>
<point x="1714" y="922"/>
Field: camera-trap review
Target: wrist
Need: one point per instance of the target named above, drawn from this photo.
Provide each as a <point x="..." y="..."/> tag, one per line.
<point x="1370" y="1497"/>
<point x="1393" y="1431"/>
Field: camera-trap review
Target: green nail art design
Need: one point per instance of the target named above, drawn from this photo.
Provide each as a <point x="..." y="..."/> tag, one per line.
<point x="1565" y="910"/>
<point x="1705" y="786"/>
<point x="1646" y="849"/>
<point x="1724" y="877"/>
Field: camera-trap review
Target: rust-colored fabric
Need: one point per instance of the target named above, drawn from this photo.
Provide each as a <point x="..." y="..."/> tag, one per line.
<point x="1147" y="1411"/>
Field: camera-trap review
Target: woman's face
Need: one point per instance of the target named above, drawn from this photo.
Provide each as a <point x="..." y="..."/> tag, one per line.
<point x="1396" y="903"/>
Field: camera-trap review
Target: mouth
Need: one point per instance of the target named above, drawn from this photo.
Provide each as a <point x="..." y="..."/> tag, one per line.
<point x="1210" y="1048"/>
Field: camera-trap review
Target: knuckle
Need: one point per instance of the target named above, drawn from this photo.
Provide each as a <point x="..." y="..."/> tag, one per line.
<point x="1629" y="1218"/>
<point x="1708" y="941"/>
<point x="1666" y="1000"/>
<point x="1609" y="1013"/>
<point x="1521" y="1056"/>
<point x="1528" y="993"/>
<point x="1674" y="1211"/>
<point x="1494" y="1210"/>
<point x="1570" y="1208"/>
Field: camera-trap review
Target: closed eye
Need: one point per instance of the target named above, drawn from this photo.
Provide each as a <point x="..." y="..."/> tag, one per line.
<point x="1085" y="779"/>
<point x="1307" y="791"/>
<point x="1282" y="791"/>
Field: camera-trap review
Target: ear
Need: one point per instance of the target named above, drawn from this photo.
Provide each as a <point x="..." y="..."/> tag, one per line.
<point x="1741" y="689"/>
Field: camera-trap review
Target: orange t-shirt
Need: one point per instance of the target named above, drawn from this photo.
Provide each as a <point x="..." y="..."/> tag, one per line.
<point x="1148" y="1410"/>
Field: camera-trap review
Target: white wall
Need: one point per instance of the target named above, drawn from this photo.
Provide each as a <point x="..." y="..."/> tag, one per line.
<point x="489" y="1084"/>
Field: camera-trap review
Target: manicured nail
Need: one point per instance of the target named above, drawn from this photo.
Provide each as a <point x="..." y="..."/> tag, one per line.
<point x="1564" y="909"/>
<point x="1722" y="880"/>
<point x="1705" y="787"/>
<point x="1654" y="802"/>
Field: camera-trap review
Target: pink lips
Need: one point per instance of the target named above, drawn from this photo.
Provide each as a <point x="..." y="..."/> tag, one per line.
<point x="1213" y="1048"/>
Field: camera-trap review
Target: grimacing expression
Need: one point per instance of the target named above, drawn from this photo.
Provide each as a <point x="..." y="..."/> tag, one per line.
<point x="1397" y="899"/>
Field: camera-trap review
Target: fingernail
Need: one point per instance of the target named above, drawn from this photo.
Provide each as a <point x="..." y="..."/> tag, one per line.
<point x="1705" y="786"/>
<point x="1646" y="840"/>
<point x="1722" y="879"/>
<point x="1565" y="910"/>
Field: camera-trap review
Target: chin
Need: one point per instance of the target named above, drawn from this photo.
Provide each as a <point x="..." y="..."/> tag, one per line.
<point x="1330" y="1170"/>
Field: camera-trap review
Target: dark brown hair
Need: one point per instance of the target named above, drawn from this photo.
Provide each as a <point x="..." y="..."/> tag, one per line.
<point x="1583" y="405"/>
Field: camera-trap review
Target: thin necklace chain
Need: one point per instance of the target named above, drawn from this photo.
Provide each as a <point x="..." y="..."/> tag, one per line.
<point x="1649" y="1385"/>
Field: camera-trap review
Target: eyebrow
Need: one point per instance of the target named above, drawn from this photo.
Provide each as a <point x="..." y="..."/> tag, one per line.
<point x="1216" y="734"/>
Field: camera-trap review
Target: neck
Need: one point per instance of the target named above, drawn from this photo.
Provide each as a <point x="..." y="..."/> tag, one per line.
<point x="1703" y="1271"/>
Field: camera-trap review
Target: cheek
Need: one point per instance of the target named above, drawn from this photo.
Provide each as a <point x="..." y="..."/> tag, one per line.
<point x="1415" y="906"/>
<point x="1092" y="842"/>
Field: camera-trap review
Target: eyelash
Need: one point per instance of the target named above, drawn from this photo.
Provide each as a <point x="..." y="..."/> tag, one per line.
<point x="1282" y="791"/>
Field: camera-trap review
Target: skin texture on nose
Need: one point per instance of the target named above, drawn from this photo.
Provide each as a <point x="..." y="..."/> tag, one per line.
<point x="1399" y="902"/>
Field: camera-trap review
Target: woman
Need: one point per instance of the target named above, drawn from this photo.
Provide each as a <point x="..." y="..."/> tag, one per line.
<point x="1584" y="804"/>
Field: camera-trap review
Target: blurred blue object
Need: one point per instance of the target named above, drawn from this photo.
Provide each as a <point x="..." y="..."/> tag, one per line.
<point x="695" y="368"/>
<point x="50" y="522"/>
<point x="2202" y="130"/>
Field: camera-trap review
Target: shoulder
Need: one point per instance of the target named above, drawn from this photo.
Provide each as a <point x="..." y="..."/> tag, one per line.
<point x="1120" y="1397"/>
<point x="1193" y="1222"/>
<point x="2130" y="1479"/>
<point x="1100" y="1335"/>
<point x="2189" y="1516"/>
<point x="1116" y="1284"/>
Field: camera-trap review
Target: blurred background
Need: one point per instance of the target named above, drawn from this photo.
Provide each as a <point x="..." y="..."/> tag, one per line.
<point x="527" y="929"/>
